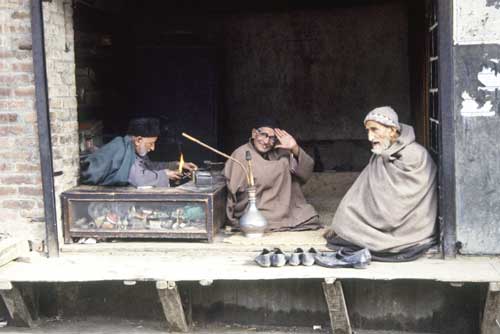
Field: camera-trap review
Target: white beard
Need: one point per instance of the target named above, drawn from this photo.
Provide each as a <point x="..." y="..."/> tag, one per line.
<point x="381" y="147"/>
<point x="142" y="151"/>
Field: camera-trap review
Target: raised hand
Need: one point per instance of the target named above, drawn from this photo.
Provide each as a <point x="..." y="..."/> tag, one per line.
<point x="286" y="141"/>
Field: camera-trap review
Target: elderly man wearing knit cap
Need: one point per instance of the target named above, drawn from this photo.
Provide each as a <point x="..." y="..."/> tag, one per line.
<point x="391" y="208"/>
<point x="124" y="160"/>
<point x="280" y="167"/>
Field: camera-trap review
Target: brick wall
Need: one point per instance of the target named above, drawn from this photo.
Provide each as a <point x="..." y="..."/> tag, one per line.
<point x="60" y="57"/>
<point x="21" y="202"/>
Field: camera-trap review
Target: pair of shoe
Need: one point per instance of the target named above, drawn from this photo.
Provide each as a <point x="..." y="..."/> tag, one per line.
<point x="300" y="257"/>
<point x="271" y="258"/>
<point x="341" y="259"/>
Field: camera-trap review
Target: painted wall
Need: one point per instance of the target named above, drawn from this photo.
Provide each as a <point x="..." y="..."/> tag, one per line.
<point x="477" y="105"/>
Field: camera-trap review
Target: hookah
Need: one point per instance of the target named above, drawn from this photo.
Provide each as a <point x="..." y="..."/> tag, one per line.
<point x="252" y="223"/>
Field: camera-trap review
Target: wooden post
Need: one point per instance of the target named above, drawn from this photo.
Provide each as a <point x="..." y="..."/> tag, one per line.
<point x="15" y="305"/>
<point x="172" y="306"/>
<point x="334" y="295"/>
<point x="491" y="315"/>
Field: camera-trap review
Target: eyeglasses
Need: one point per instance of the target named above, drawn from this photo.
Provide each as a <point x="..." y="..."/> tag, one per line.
<point x="264" y="135"/>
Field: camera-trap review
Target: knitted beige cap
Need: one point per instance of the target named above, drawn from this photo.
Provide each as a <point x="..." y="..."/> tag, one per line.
<point x="384" y="115"/>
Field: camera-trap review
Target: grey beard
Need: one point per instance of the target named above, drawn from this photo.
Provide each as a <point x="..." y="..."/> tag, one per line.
<point x="382" y="147"/>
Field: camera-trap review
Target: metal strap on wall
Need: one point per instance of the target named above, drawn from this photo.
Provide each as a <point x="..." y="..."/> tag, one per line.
<point x="43" y="121"/>
<point x="447" y="178"/>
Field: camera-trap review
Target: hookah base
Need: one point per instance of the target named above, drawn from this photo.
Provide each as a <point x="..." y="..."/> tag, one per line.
<point x="254" y="235"/>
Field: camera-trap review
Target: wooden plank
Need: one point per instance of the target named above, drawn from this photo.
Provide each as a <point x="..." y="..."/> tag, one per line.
<point x="207" y="265"/>
<point x="11" y="249"/>
<point x="16" y="307"/>
<point x="337" y="309"/>
<point x="491" y="315"/>
<point x="172" y="306"/>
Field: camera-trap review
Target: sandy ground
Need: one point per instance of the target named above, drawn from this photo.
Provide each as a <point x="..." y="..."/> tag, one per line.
<point x="112" y="326"/>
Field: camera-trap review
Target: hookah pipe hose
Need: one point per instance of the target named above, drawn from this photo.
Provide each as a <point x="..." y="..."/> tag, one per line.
<point x="248" y="157"/>
<point x="249" y="179"/>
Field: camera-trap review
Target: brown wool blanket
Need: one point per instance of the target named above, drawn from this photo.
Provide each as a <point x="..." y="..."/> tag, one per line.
<point x="278" y="181"/>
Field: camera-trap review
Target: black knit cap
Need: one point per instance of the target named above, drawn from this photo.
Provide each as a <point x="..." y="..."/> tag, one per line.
<point x="144" y="127"/>
<point x="266" y="122"/>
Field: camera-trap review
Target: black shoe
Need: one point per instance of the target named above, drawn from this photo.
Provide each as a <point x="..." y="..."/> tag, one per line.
<point x="264" y="258"/>
<point x="308" y="258"/>
<point x="278" y="259"/>
<point x="359" y="259"/>
<point x="296" y="257"/>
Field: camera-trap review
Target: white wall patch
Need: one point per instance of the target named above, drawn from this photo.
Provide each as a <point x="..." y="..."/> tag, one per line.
<point x="489" y="78"/>
<point x="470" y="108"/>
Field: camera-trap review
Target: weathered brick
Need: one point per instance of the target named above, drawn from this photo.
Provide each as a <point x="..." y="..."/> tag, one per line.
<point x="6" y="167"/>
<point x="6" y="54"/>
<point x="22" y="67"/>
<point x="15" y="78"/>
<point x="25" y="167"/>
<point x="30" y="191"/>
<point x="11" y="130"/>
<point x="13" y="104"/>
<point x="8" y="191"/>
<point x="20" y="15"/>
<point x="25" y="91"/>
<point x="5" y="92"/>
<point x="8" y="118"/>
<point x="36" y="213"/>
<point x="18" y="204"/>
<point x="16" y="179"/>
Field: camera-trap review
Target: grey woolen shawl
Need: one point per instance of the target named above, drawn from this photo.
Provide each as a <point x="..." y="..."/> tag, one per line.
<point x="393" y="203"/>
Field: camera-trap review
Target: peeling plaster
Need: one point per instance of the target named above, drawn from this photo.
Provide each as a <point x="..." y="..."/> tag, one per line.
<point x="470" y="108"/>
<point x="476" y="22"/>
<point x="490" y="78"/>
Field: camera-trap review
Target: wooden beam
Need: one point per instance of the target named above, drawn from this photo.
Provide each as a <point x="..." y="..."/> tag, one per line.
<point x="11" y="249"/>
<point x="491" y="315"/>
<point x="172" y="306"/>
<point x="334" y="296"/>
<point x="16" y="307"/>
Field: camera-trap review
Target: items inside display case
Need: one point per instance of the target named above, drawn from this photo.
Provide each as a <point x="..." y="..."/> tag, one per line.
<point x="139" y="216"/>
<point x="184" y="212"/>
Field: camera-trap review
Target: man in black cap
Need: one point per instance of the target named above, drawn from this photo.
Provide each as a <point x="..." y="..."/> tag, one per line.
<point x="124" y="160"/>
<point x="280" y="167"/>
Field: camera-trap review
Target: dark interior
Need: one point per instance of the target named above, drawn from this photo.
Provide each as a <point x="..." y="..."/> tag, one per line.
<point x="210" y="67"/>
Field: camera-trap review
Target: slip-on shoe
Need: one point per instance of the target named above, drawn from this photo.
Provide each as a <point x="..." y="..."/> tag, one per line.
<point x="296" y="257"/>
<point x="264" y="258"/>
<point x="278" y="258"/>
<point x="308" y="258"/>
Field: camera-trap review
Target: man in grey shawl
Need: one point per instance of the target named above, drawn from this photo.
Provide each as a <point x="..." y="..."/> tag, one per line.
<point x="124" y="161"/>
<point x="391" y="207"/>
<point x="280" y="167"/>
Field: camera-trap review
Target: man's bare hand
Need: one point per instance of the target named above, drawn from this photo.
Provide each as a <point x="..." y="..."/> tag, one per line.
<point x="191" y="167"/>
<point x="173" y="174"/>
<point x="286" y="141"/>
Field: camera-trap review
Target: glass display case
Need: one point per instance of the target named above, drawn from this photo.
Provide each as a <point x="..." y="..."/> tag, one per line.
<point x="185" y="212"/>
